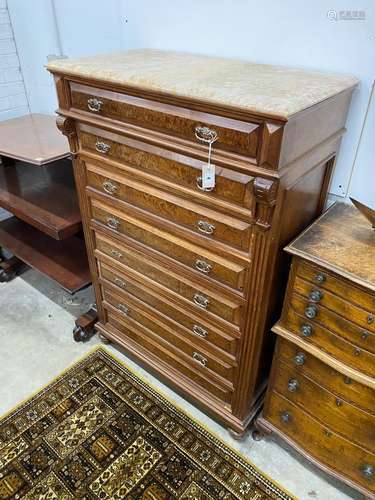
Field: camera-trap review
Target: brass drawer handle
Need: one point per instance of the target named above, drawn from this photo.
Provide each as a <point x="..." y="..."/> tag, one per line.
<point x="205" y="227"/>
<point x="200" y="359"/>
<point x="200" y="300"/>
<point x="205" y="134"/>
<point x="122" y="308"/>
<point x="110" y="187"/>
<point x="116" y="253"/>
<point x="367" y="471"/>
<point x="102" y="147"/>
<point x="94" y="104"/>
<point x="316" y="295"/>
<point x="293" y="385"/>
<point x="311" y="311"/>
<point x="113" y="223"/>
<point x="364" y="335"/>
<point x="286" y="417"/>
<point x="203" y="266"/>
<point x="370" y="319"/>
<point x="119" y="282"/>
<point x="199" y="185"/>
<point x="300" y="358"/>
<point x="199" y="331"/>
<point x="320" y="278"/>
<point x="306" y="330"/>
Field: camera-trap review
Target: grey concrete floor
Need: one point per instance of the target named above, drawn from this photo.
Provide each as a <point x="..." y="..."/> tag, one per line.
<point x="36" y="322"/>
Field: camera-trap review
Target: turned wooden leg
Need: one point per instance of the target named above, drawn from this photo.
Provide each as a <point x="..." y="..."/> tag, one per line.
<point x="238" y="436"/>
<point x="84" y="325"/>
<point x="9" y="268"/>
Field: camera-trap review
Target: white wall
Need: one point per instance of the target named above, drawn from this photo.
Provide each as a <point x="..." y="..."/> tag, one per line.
<point x="13" y="101"/>
<point x="290" y="32"/>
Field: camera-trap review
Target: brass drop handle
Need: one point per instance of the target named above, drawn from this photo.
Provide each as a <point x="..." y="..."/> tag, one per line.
<point x="205" y="227"/>
<point x="367" y="471"/>
<point x="113" y="223"/>
<point x="199" y="358"/>
<point x="311" y="311"/>
<point x="102" y="147"/>
<point x="119" y="282"/>
<point x="206" y="134"/>
<point x="201" y="301"/>
<point x="94" y="104"/>
<point x="306" y="330"/>
<point x="286" y="417"/>
<point x="320" y="278"/>
<point x="203" y="266"/>
<point x="300" y="358"/>
<point x="293" y="385"/>
<point x="116" y="253"/>
<point x="122" y="308"/>
<point x="199" y="185"/>
<point x="316" y="295"/>
<point x="199" y="331"/>
<point x="110" y="187"/>
<point x="370" y="319"/>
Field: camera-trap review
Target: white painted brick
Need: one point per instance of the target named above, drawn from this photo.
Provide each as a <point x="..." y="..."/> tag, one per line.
<point x="8" y="89"/>
<point x="9" y="61"/>
<point x="13" y="113"/>
<point x="7" y="47"/>
<point x="4" y="103"/>
<point x="4" y="16"/>
<point x="5" y="31"/>
<point x="3" y="4"/>
<point x="18" y="100"/>
<point x="12" y="75"/>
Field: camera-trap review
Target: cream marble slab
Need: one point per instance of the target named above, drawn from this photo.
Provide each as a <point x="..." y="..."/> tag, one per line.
<point x="260" y="88"/>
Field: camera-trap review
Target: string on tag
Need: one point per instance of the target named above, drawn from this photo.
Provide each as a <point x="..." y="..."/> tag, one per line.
<point x="208" y="136"/>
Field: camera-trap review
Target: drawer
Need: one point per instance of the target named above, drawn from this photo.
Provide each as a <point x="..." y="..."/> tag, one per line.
<point x="331" y="337"/>
<point x="364" y="319"/>
<point x="213" y="304"/>
<point x="167" y="361"/>
<point x="321" y="442"/>
<point x="344" y="387"/>
<point x="222" y="270"/>
<point x="163" y="164"/>
<point x="203" y="221"/>
<point x="179" y="344"/>
<point x="235" y="136"/>
<point x="338" y="286"/>
<point x="351" y="422"/>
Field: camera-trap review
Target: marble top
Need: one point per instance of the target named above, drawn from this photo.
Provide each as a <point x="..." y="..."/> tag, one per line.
<point x="259" y="88"/>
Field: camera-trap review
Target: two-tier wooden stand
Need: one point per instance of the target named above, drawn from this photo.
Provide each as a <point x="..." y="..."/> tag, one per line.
<point x="37" y="187"/>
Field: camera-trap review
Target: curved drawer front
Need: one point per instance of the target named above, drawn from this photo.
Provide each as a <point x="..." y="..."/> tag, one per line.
<point x="222" y="270"/>
<point x="364" y="319"/>
<point x="330" y="340"/>
<point x="204" y="222"/>
<point x="232" y="135"/>
<point x="342" y="386"/>
<point x="198" y="356"/>
<point x="230" y="186"/>
<point x="351" y="422"/>
<point x="215" y="305"/>
<point x="321" y="442"/>
<point x="167" y="360"/>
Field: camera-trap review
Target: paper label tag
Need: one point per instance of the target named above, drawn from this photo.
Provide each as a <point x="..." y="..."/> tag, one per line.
<point x="208" y="176"/>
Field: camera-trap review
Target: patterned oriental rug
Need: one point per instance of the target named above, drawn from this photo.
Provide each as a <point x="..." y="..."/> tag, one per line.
<point x="99" y="432"/>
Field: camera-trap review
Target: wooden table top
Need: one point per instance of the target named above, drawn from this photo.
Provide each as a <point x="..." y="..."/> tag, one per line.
<point x="33" y="138"/>
<point x="341" y="240"/>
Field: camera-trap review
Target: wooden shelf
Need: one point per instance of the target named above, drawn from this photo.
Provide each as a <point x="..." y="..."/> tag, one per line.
<point x="63" y="261"/>
<point x="44" y="197"/>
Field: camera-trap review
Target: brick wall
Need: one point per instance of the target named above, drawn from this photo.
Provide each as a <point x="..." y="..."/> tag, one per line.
<point x="13" y="101"/>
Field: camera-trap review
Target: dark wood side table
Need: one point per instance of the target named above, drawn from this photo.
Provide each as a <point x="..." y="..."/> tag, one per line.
<point x="37" y="187"/>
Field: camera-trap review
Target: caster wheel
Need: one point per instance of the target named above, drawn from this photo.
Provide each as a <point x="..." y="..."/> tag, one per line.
<point x="257" y="435"/>
<point x="6" y="276"/>
<point x="104" y="339"/>
<point x="81" y="334"/>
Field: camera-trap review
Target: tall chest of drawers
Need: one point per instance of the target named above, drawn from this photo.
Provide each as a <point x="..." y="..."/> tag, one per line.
<point x="321" y="396"/>
<point x="188" y="279"/>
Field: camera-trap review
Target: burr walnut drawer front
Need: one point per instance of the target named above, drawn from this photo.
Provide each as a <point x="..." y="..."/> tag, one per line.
<point x="240" y="137"/>
<point x="163" y="164"/>
<point x="341" y="385"/>
<point x="192" y="296"/>
<point x="198" y="355"/>
<point x="342" y="417"/>
<point x="203" y="221"/>
<point x="339" y="286"/>
<point x="150" y="236"/>
<point x="321" y="333"/>
<point x="322" y="443"/>
<point x="322" y="298"/>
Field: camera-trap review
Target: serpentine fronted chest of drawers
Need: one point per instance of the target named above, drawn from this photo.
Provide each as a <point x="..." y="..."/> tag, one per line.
<point x="188" y="280"/>
<point x="321" y="396"/>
